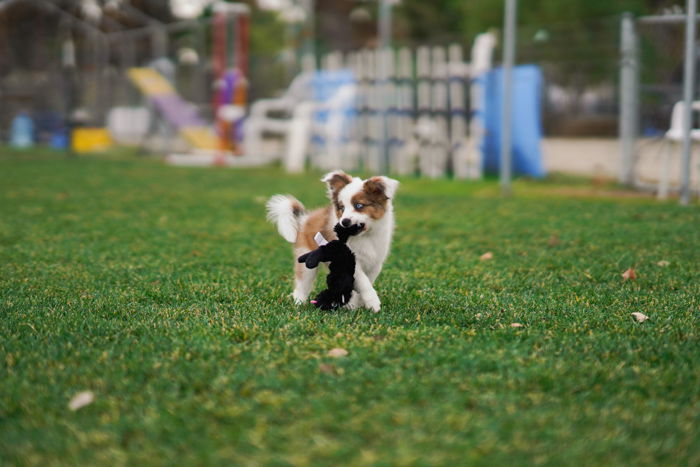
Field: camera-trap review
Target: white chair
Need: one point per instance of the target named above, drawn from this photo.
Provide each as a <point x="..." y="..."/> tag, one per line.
<point x="262" y="120"/>
<point x="673" y="136"/>
<point x="333" y="132"/>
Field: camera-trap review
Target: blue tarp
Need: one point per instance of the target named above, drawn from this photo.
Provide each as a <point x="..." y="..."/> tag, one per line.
<point x="527" y="124"/>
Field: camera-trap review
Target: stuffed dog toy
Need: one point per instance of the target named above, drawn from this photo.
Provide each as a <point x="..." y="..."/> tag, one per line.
<point x="340" y="280"/>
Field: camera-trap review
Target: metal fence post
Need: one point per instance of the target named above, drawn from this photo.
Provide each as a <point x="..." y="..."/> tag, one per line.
<point x="506" y="115"/>
<point x="384" y="53"/>
<point x="628" y="98"/>
<point x="688" y="95"/>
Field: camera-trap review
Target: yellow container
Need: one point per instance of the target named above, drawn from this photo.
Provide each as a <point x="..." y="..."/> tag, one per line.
<point x="90" y="139"/>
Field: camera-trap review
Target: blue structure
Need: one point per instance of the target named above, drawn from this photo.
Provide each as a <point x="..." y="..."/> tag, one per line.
<point x="22" y="131"/>
<point x="527" y="124"/>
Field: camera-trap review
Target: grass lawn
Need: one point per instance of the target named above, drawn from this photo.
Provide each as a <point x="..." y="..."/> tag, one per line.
<point x="164" y="292"/>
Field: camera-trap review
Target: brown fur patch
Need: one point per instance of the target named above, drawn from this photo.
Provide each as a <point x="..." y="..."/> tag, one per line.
<point x="318" y="221"/>
<point x="336" y="183"/>
<point x="298" y="267"/>
<point x="373" y="197"/>
<point x="297" y="208"/>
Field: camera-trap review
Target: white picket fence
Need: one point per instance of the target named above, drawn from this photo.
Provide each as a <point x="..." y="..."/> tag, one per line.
<point x="406" y="112"/>
<point x="416" y="111"/>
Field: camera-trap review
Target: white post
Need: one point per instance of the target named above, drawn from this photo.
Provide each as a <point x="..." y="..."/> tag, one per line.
<point x="506" y="116"/>
<point x="688" y="91"/>
<point x="628" y="99"/>
<point x="384" y="50"/>
<point x="481" y="62"/>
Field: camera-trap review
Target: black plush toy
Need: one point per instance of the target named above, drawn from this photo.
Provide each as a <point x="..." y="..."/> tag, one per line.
<point x="341" y="277"/>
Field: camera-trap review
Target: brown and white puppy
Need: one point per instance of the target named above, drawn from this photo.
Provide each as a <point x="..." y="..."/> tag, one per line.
<point x="367" y="203"/>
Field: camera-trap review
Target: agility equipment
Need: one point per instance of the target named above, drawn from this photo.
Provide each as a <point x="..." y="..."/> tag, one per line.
<point x="174" y="109"/>
<point x="230" y="33"/>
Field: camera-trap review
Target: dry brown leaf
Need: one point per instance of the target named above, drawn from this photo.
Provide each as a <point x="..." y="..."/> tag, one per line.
<point x="326" y="368"/>
<point x="486" y="256"/>
<point x="80" y="400"/>
<point x="517" y="325"/>
<point x="337" y="352"/>
<point x="640" y="317"/>
<point x="554" y="240"/>
<point x="663" y="263"/>
<point x="629" y="275"/>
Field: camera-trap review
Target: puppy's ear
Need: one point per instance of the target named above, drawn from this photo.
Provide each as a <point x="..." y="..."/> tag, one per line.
<point x="382" y="185"/>
<point x="335" y="181"/>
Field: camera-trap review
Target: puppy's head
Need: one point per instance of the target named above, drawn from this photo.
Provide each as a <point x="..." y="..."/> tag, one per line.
<point x="357" y="201"/>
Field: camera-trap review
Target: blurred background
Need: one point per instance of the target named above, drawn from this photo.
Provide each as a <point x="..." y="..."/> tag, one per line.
<point x="403" y="86"/>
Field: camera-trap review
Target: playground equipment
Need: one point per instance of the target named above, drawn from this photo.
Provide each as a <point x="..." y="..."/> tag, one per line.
<point x="642" y="102"/>
<point x="177" y="112"/>
<point x="218" y="142"/>
<point x="231" y="24"/>
<point x="673" y="137"/>
<point x="231" y="29"/>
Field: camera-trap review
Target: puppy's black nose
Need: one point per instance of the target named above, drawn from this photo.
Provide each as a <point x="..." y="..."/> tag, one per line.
<point x="345" y="222"/>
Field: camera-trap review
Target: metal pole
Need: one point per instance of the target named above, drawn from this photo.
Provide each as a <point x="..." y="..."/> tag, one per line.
<point x="105" y="78"/>
<point x="384" y="55"/>
<point x="309" y="29"/>
<point x="628" y="99"/>
<point x="507" y="110"/>
<point x="98" y="96"/>
<point x="385" y="24"/>
<point x="201" y="95"/>
<point x="688" y="94"/>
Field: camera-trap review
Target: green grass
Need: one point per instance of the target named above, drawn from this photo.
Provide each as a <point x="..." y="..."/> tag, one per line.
<point x="164" y="291"/>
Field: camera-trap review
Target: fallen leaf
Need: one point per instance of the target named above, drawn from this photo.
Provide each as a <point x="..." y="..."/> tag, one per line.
<point x="663" y="263"/>
<point x="554" y="240"/>
<point x="80" y="400"/>
<point x="629" y="274"/>
<point x="196" y="253"/>
<point x="517" y="325"/>
<point x="326" y="368"/>
<point x="337" y="352"/>
<point x="486" y="256"/>
<point x="641" y="317"/>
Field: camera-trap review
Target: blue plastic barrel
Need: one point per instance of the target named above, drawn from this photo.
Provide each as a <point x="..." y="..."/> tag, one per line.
<point x="527" y="120"/>
<point x="22" y="131"/>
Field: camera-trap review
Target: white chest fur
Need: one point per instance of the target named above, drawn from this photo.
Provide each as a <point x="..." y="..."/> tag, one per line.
<point x="372" y="248"/>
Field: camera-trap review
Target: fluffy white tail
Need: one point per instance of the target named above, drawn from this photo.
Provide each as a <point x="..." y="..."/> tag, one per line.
<point x="285" y="211"/>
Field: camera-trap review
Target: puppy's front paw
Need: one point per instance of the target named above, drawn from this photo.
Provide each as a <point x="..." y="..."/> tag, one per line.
<point x="354" y="303"/>
<point x="299" y="298"/>
<point x="373" y="303"/>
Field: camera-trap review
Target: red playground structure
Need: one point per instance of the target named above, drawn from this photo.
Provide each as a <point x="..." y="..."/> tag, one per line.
<point x="230" y="60"/>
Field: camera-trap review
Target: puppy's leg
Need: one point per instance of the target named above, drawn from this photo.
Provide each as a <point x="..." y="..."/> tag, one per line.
<point x="355" y="301"/>
<point x="304" y="279"/>
<point x="367" y="295"/>
<point x="374" y="272"/>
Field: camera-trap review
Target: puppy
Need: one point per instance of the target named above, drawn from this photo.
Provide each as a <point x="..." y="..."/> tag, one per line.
<point x="353" y="201"/>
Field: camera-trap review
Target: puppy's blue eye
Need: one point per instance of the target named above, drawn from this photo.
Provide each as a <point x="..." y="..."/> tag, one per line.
<point x="359" y="205"/>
